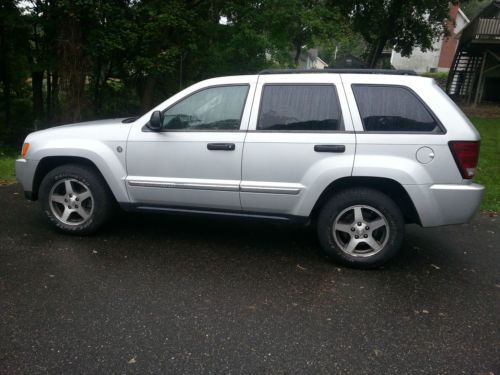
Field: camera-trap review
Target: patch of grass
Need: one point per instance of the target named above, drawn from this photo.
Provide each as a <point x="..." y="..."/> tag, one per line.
<point x="488" y="171"/>
<point x="7" y="167"/>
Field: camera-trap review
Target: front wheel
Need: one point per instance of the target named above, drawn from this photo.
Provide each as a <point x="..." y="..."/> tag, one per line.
<point x="75" y="199"/>
<point x="361" y="228"/>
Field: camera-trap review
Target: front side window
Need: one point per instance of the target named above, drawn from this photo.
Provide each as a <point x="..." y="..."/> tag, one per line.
<point x="300" y="108"/>
<point x="214" y="108"/>
<point x="393" y="109"/>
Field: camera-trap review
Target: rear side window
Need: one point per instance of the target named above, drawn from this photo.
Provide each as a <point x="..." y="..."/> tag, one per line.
<point x="393" y="109"/>
<point x="300" y="108"/>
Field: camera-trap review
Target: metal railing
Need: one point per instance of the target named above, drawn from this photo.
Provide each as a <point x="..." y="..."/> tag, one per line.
<point x="482" y="28"/>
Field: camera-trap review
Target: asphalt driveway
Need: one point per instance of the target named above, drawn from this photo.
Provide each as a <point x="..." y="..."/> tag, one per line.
<point x="154" y="294"/>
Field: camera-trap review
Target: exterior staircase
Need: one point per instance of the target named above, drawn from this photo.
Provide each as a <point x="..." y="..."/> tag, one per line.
<point x="463" y="75"/>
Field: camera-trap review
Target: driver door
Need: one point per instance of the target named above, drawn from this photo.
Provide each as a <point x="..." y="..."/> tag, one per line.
<point x="194" y="161"/>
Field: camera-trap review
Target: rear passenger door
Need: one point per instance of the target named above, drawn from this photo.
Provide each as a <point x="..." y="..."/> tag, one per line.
<point x="300" y="139"/>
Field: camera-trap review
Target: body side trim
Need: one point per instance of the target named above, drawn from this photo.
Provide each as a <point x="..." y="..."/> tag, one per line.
<point x="222" y="185"/>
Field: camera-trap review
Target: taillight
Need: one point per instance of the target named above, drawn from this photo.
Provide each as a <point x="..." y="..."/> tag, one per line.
<point x="466" y="154"/>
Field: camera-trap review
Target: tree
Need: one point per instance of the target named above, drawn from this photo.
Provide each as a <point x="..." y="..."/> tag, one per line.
<point x="473" y="7"/>
<point x="11" y="66"/>
<point x="297" y="24"/>
<point x="401" y="24"/>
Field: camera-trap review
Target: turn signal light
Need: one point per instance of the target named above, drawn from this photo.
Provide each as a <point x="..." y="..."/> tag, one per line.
<point x="24" y="152"/>
<point x="466" y="154"/>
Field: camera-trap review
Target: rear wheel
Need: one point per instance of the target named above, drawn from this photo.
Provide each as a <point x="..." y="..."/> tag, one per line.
<point x="75" y="199"/>
<point x="361" y="228"/>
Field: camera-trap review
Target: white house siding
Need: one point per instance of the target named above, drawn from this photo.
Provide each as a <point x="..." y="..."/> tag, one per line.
<point x="419" y="61"/>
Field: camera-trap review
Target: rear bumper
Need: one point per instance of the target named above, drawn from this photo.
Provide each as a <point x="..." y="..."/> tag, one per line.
<point x="25" y="172"/>
<point x="445" y="204"/>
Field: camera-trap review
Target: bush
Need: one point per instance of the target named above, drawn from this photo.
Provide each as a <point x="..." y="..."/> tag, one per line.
<point x="440" y="77"/>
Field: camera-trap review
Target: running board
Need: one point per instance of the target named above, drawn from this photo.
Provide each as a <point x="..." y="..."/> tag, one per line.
<point x="212" y="213"/>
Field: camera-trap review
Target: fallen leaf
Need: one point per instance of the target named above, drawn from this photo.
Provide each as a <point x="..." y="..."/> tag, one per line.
<point x="132" y="360"/>
<point x="301" y="268"/>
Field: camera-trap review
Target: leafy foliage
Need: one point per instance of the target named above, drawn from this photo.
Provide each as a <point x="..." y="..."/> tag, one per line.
<point x="81" y="59"/>
<point x="401" y="24"/>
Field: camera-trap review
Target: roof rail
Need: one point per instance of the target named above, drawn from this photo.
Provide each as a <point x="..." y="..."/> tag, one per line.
<point x="341" y="71"/>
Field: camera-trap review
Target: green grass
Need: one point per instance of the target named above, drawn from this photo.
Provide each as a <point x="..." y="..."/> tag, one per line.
<point x="7" y="165"/>
<point x="488" y="171"/>
<point x="7" y="173"/>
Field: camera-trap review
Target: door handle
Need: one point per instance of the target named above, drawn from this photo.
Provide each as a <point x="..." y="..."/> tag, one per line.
<point x="329" y="148"/>
<point x="221" y="146"/>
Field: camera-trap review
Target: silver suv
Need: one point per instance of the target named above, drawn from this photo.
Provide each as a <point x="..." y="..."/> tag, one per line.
<point x="356" y="153"/>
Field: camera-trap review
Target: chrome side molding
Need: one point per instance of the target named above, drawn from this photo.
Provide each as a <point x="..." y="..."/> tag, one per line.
<point x="221" y="185"/>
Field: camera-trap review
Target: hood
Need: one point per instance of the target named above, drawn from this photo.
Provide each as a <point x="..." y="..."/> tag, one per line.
<point x="104" y="130"/>
<point x="112" y="121"/>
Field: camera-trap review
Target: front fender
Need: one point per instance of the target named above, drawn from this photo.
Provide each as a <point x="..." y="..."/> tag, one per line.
<point x="103" y="154"/>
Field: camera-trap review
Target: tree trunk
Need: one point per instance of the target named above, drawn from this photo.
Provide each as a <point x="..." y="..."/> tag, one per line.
<point x="37" y="87"/>
<point x="73" y="69"/>
<point x="298" y="50"/>
<point x="147" y="97"/>
<point x="5" y="75"/>
<point x="375" y="52"/>
<point x="55" y="95"/>
<point x="97" y="83"/>
<point x="104" y="81"/>
<point x="48" y="109"/>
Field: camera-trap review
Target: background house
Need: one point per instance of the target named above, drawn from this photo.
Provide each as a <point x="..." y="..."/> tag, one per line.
<point x="441" y="57"/>
<point x="475" y="73"/>
<point x="310" y="60"/>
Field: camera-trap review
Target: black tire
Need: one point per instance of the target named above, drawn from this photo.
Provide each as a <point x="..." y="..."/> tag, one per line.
<point x="101" y="202"/>
<point x="388" y="237"/>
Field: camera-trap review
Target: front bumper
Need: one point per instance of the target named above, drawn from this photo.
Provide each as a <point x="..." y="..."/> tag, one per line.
<point x="25" y="173"/>
<point x="445" y="204"/>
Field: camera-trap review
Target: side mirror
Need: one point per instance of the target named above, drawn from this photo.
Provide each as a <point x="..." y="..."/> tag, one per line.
<point x="156" y="121"/>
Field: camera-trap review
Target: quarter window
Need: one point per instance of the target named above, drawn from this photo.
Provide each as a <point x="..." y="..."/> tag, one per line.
<point x="393" y="109"/>
<point x="300" y="108"/>
<point x="214" y="108"/>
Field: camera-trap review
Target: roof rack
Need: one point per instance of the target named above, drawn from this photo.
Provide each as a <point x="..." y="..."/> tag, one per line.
<point x="341" y="71"/>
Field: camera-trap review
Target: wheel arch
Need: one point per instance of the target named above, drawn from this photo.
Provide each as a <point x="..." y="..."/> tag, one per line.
<point x="390" y="187"/>
<point x="49" y="163"/>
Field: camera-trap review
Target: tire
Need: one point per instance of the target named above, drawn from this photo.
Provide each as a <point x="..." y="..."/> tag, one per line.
<point x="368" y="245"/>
<point x="75" y="199"/>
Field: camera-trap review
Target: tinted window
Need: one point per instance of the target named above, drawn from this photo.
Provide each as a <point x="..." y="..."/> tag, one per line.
<point x="299" y="107"/>
<point x="392" y="108"/>
<point x="215" y="108"/>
